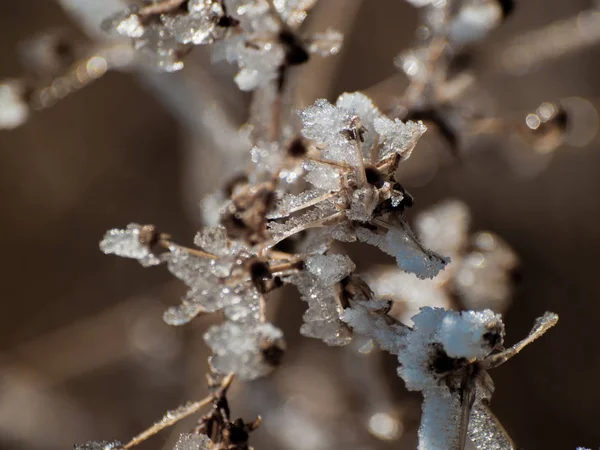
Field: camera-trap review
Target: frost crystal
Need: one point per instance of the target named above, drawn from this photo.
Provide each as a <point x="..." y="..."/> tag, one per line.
<point x="466" y="334"/>
<point x="397" y="137"/>
<point x="153" y="40"/>
<point x="189" y="441"/>
<point x="410" y="255"/>
<point x="125" y="23"/>
<point x="318" y="287"/>
<point x="267" y="42"/>
<point x="131" y="242"/>
<point x="201" y="25"/>
<point x="330" y="269"/>
<point x="248" y="351"/>
<point x="100" y="445"/>
<point x="14" y="111"/>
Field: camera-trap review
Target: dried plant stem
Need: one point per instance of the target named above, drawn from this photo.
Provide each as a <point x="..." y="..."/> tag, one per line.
<point x="161" y="7"/>
<point x="542" y="324"/>
<point x="180" y="413"/>
<point x="326" y="221"/>
<point x="196" y="252"/>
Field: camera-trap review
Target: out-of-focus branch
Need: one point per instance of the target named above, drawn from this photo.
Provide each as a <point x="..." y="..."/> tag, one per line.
<point x="191" y="95"/>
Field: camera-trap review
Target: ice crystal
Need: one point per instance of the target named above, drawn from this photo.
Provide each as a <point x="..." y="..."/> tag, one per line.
<point x="247" y="350"/>
<point x="208" y="293"/>
<point x="157" y="45"/>
<point x="483" y="430"/>
<point x="125" y="23"/>
<point x="187" y="441"/>
<point x="466" y="334"/>
<point x="479" y="275"/>
<point x="201" y="25"/>
<point x="14" y="110"/>
<point x="131" y="242"/>
<point x="293" y="11"/>
<point x="268" y="42"/>
<point x="410" y="255"/>
<point x="397" y="137"/>
<point x="100" y="445"/>
<point x="330" y="269"/>
<point x="318" y="287"/>
<point x="365" y="319"/>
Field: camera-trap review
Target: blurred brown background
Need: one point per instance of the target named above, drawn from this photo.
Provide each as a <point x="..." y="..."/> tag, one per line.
<point x="83" y="351"/>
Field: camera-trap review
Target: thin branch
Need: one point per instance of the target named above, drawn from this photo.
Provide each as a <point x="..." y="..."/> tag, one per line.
<point x="542" y="324"/>
<point x="160" y="8"/>
<point x="193" y="251"/>
<point x="172" y="417"/>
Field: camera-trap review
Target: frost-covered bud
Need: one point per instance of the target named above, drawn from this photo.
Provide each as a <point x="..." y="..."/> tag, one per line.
<point x="250" y="351"/>
<point x="100" y="445"/>
<point x="135" y="242"/>
<point x="471" y="334"/>
<point x="188" y="441"/>
<point x="14" y="110"/>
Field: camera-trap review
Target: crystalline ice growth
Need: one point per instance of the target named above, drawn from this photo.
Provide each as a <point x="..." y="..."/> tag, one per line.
<point x="325" y="124"/>
<point x="200" y="25"/>
<point x="100" y="445"/>
<point x="410" y="255"/>
<point x="322" y="176"/>
<point x="250" y="351"/>
<point x="293" y="12"/>
<point x="363" y="318"/>
<point x="471" y="334"/>
<point x="14" y="111"/>
<point x="187" y="441"/>
<point x="124" y="23"/>
<point x="330" y="269"/>
<point x="214" y="240"/>
<point x="127" y="243"/>
<point x="290" y="203"/>
<point x="485" y="432"/>
<point x="397" y="137"/>
<point x="440" y="420"/>
<point x="317" y="287"/>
